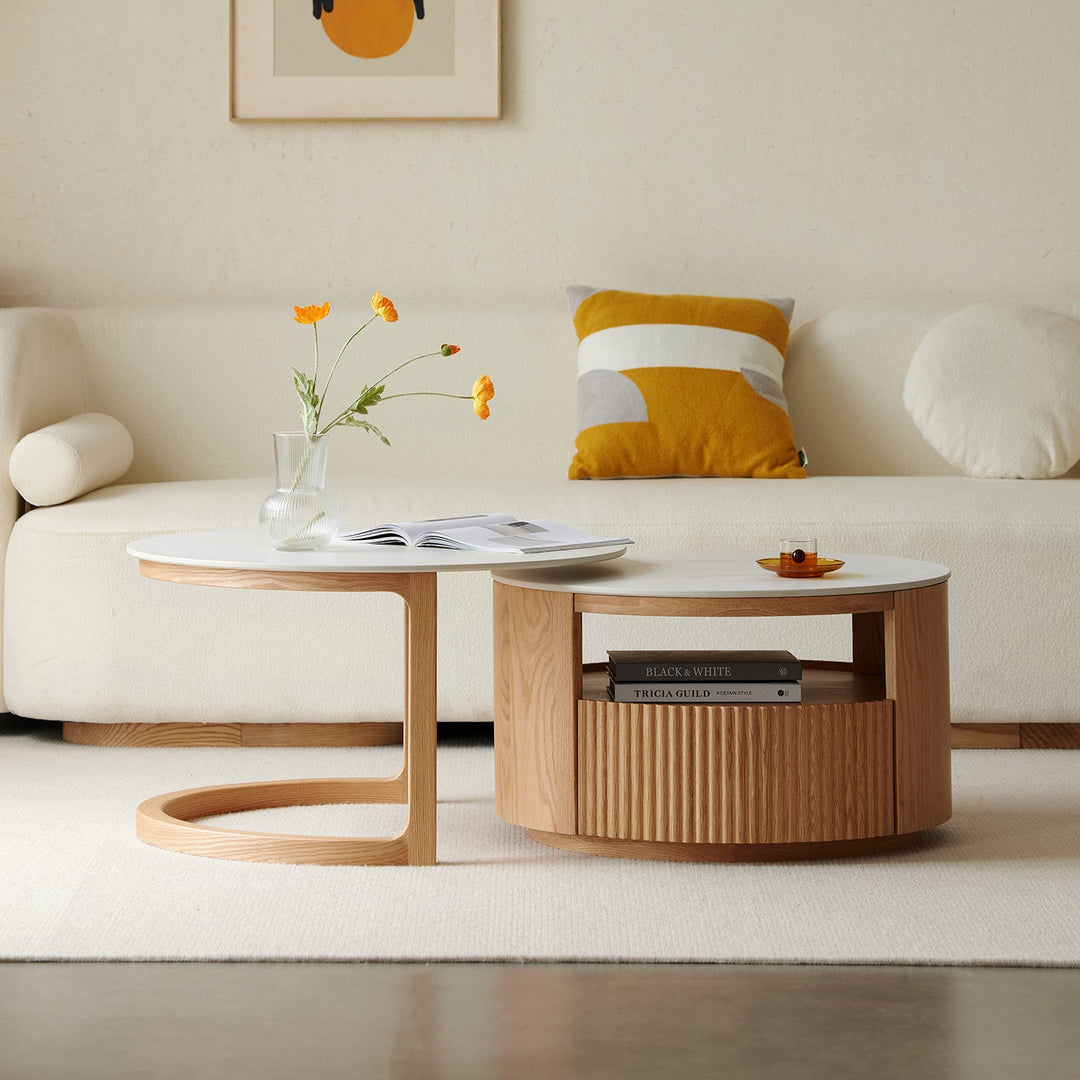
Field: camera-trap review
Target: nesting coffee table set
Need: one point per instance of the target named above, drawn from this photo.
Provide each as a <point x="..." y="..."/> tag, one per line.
<point x="860" y="764"/>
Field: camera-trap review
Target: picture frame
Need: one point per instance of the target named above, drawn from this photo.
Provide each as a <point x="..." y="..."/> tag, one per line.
<point x="319" y="59"/>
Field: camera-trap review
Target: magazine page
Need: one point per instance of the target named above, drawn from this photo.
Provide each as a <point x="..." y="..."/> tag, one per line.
<point x="520" y="537"/>
<point x="415" y="532"/>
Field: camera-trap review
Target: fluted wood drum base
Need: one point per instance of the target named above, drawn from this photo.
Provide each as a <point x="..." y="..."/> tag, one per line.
<point x="859" y="765"/>
<point x="722" y="853"/>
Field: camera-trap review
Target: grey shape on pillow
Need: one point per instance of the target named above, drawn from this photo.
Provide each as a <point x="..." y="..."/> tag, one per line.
<point x="608" y="397"/>
<point x="576" y="293"/>
<point x="786" y="305"/>
<point x="766" y="387"/>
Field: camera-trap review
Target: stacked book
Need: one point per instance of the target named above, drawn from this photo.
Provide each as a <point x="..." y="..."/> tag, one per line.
<point x="709" y="676"/>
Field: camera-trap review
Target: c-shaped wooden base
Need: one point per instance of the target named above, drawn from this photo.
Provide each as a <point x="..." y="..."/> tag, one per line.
<point x="167" y="820"/>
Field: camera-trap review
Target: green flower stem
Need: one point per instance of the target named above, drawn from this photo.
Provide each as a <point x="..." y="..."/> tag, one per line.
<point x="315" y="327"/>
<point x="427" y="393"/>
<point x="422" y="356"/>
<point x="303" y="465"/>
<point x="318" y="410"/>
<point x="297" y="533"/>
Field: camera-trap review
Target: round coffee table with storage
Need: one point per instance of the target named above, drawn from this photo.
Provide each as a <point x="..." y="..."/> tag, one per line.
<point x="242" y="559"/>
<point x="860" y="764"/>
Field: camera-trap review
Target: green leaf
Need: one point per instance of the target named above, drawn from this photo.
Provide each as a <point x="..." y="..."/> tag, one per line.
<point x="352" y="420"/>
<point x="309" y="400"/>
<point x="369" y="397"/>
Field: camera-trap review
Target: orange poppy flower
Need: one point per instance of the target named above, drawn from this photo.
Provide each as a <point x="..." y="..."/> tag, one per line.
<point x="384" y="307"/>
<point x="482" y="392"/>
<point x="311" y="314"/>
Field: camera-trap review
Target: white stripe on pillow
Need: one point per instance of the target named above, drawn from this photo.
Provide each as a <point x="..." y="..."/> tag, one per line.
<point x="642" y="345"/>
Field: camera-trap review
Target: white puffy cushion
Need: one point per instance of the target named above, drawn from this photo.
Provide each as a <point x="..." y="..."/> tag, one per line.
<point x="65" y="460"/>
<point x="995" y="390"/>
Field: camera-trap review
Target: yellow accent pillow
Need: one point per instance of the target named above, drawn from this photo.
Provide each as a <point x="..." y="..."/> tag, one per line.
<point x="681" y="386"/>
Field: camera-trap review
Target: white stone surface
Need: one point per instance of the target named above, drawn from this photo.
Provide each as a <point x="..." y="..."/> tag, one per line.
<point x="246" y="549"/>
<point x="727" y="574"/>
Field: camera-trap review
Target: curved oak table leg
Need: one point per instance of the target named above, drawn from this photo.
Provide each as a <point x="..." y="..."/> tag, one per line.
<point x="167" y="821"/>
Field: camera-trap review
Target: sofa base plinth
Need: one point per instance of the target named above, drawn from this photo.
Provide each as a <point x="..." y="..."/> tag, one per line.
<point x="175" y="734"/>
<point x="731" y="853"/>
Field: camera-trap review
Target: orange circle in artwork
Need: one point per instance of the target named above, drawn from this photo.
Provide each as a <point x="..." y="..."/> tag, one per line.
<point x="369" y="28"/>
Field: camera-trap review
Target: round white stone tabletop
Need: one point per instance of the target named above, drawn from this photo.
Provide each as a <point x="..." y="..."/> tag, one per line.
<point x="725" y="574"/>
<point x="247" y="549"/>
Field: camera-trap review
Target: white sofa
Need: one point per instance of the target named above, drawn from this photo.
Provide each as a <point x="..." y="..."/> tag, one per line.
<point x="87" y="639"/>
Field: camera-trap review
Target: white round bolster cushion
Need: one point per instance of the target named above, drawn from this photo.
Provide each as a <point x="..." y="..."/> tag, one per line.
<point x="68" y="459"/>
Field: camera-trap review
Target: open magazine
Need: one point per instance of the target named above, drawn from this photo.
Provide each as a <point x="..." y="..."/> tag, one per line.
<point x="484" y="532"/>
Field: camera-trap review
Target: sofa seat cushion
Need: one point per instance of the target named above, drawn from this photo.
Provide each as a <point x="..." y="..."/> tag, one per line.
<point x="90" y="639"/>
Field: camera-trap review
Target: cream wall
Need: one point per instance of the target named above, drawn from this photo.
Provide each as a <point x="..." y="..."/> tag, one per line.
<point x="835" y="151"/>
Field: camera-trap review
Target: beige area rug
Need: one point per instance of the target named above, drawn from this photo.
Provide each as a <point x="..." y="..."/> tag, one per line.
<point x="999" y="884"/>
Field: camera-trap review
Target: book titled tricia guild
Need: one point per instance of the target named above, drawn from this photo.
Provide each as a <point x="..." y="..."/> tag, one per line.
<point x="686" y="693"/>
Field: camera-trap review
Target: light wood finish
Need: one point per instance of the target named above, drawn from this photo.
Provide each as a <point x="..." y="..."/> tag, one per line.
<point x="735" y="774"/>
<point x="863" y="758"/>
<point x="917" y="680"/>
<point x="186" y="734"/>
<point x="964" y="736"/>
<point x="320" y="734"/>
<point x="730" y="606"/>
<point x="287" y="580"/>
<point x="985" y="736"/>
<point x="166" y="820"/>
<point x="537" y="660"/>
<point x="86" y="734"/>
<point x="722" y="853"/>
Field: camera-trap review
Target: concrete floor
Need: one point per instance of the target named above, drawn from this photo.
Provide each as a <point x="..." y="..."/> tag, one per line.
<point x="480" y="1021"/>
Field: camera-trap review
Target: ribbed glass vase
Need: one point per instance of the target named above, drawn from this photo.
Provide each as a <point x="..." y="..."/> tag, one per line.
<point x="299" y="515"/>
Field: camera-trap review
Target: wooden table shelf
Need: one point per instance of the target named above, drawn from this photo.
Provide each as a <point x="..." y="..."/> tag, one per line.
<point x="823" y="682"/>
<point x="860" y="764"/>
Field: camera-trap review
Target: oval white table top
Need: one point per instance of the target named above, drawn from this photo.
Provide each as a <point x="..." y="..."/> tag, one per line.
<point x="727" y="574"/>
<point x="247" y="549"/>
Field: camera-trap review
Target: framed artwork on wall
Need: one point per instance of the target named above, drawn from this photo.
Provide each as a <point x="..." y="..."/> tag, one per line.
<point x="363" y="59"/>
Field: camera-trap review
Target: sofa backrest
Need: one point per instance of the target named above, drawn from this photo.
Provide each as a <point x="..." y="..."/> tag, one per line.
<point x="202" y="388"/>
<point x="844" y="380"/>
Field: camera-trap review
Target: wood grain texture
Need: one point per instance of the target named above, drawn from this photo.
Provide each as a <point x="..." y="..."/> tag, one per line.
<point x="166" y="820"/>
<point x="287" y="580"/>
<point x="985" y="736"/>
<point x="868" y="641"/>
<point x="917" y="680"/>
<point x="537" y="661"/>
<point x="418" y="737"/>
<point x="739" y="774"/>
<point x="246" y="734"/>
<point x="722" y="853"/>
<point x="87" y="734"/>
<point x="1050" y="736"/>
<point x="723" y="606"/>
